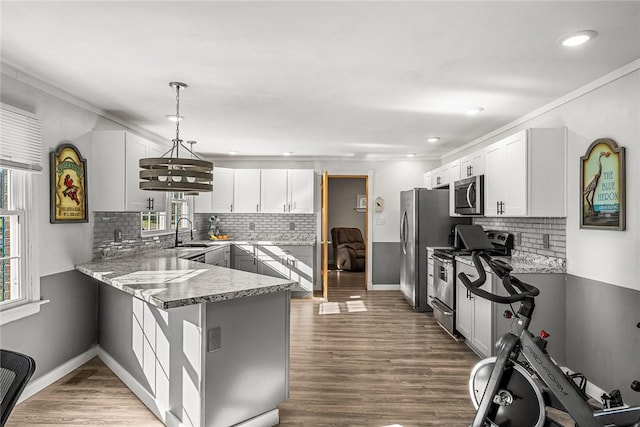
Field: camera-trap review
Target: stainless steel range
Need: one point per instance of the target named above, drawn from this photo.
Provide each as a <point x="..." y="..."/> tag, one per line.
<point x="444" y="277"/>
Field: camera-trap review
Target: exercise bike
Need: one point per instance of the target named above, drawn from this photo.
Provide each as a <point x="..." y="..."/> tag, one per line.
<point x="514" y="388"/>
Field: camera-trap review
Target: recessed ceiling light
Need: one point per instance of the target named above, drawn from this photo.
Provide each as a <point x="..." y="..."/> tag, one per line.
<point x="578" y="38"/>
<point x="172" y="117"/>
<point x="411" y="155"/>
<point x="474" y="111"/>
<point x="287" y="153"/>
<point x="232" y="153"/>
<point x="433" y="139"/>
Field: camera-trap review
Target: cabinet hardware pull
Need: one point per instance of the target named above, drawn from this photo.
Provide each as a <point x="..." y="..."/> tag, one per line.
<point x="497" y="208"/>
<point x="284" y="208"/>
<point x="231" y="207"/>
<point x="257" y="208"/>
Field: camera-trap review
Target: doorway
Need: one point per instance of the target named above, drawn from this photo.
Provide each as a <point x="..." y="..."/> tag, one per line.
<point x="345" y="211"/>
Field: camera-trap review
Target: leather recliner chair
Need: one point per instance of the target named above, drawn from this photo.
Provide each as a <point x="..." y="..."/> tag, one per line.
<point x="349" y="250"/>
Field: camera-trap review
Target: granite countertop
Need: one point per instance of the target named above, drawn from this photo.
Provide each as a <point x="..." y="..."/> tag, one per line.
<point x="522" y="263"/>
<point x="165" y="279"/>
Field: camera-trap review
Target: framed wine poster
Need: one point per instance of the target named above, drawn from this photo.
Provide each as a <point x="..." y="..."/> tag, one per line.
<point x="68" y="185"/>
<point x="602" y="186"/>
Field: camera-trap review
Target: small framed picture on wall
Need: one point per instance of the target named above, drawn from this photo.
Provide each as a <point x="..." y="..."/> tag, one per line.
<point x="361" y="201"/>
<point x="602" y="186"/>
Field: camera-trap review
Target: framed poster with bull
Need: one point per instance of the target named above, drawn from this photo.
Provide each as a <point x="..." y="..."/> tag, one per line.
<point x="68" y="185"/>
<point x="602" y="186"/>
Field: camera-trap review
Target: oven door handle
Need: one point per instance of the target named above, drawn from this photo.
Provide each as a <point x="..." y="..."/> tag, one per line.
<point x="440" y="306"/>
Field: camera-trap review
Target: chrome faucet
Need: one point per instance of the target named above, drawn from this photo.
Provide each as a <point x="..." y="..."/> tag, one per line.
<point x="178" y="229"/>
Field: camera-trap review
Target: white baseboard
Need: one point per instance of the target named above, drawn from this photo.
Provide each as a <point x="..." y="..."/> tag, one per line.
<point x="143" y="394"/>
<point x="268" y="419"/>
<point x="54" y="375"/>
<point x="386" y="288"/>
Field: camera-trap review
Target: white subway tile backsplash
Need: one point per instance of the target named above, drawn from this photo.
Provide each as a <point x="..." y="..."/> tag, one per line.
<point x="532" y="230"/>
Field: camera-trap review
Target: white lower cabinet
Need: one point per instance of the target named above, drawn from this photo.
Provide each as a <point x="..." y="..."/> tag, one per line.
<point x="474" y="316"/>
<point x="482" y="322"/>
<point x="295" y="262"/>
<point x="220" y="257"/>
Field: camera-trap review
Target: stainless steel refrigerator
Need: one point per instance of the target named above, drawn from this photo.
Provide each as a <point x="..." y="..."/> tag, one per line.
<point x="424" y="221"/>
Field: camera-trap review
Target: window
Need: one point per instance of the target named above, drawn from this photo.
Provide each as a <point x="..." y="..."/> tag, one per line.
<point x="20" y="280"/>
<point x="178" y="207"/>
<point x="20" y="157"/>
<point x="154" y="221"/>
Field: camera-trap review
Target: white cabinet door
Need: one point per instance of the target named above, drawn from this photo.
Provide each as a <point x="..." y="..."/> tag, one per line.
<point x="514" y="190"/>
<point x="158" y="198"/>
<point x="301" y="183"/>
<point x="454" y="171"/>
<point x="493" y="184"/>
<point x="222" y="195"/>
<point x="464" y="311"/>
<point x="273" y="190"/>
<point x="482" y="324"/>
<point x="440" y="177"/>
<point x="426" y="182"/>
<point x="203" y="202"/>
<point x="215" y="257"/>
<point x="472" y="165"/>
<point x="135" y="149"/>
<point x="115" y="172"/>
<point x="246" y="190"/>
<point x="107" y="171"/>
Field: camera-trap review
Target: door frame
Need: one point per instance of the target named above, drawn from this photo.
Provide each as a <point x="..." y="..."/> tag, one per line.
<point x="324" y="231"/>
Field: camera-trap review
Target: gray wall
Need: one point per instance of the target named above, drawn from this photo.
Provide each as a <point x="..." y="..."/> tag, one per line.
<point x="603" y="341"/>
<point x="386" y="263"/>
<point x="342" y="201"/>
<point x="63" y="329"/>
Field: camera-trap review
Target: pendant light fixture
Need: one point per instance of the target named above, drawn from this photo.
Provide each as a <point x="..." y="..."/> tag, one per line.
<point x="172" y="172"/>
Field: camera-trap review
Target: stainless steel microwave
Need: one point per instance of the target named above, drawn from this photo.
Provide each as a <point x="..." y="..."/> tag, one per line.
<point x="469" y="195"/>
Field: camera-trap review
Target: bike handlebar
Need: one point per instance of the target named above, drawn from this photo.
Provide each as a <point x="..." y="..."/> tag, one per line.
<point x="502" y="269"/>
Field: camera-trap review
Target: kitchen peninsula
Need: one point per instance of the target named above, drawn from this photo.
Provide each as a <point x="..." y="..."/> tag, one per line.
<point x="200" y="345"/>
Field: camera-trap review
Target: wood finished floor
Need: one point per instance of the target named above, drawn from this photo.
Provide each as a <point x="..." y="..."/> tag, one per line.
<point x="388" y="365"/>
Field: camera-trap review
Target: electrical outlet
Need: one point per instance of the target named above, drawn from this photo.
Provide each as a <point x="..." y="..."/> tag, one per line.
<point x="117" y="235"/>
<point x="252" y="226"/>
<point x="545" y="241"/>
<point x="214" y="339"/>
<point x="380" y="220"/>
<point x="292" y="226"/>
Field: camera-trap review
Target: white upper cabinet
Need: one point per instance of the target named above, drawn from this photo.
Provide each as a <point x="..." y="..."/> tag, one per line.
<point x="220" y="200"/>
<point x="222" y="194"/>
<point x="300" y="186"/>
<point x="440" y="176"/>
<point x="246" y="190"/>
<point x="287" y="190"/>
<point x="472" y="165"/>
<point x="426" y="182"/>
<point x="525" y="174"/>
<point x="273" y="190"/>
<point x="115" y="172"/>
<point x="454" y="175"/>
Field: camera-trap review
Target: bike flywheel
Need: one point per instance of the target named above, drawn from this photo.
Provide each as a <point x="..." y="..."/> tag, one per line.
<point x="518" y="402"/>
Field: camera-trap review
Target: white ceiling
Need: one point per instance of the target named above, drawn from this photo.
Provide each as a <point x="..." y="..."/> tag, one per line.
<point x="356" y="79"/>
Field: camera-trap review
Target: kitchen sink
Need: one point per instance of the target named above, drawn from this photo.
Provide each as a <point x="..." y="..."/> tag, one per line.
<point x="193" y="245"/>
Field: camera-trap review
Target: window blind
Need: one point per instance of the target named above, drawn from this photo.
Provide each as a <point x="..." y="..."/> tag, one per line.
<point x="20" y="139"/>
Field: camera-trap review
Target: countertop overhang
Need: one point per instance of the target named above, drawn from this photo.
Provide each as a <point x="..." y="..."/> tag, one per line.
<point x="522" y="265"/>
<point x="165" y="279"/>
